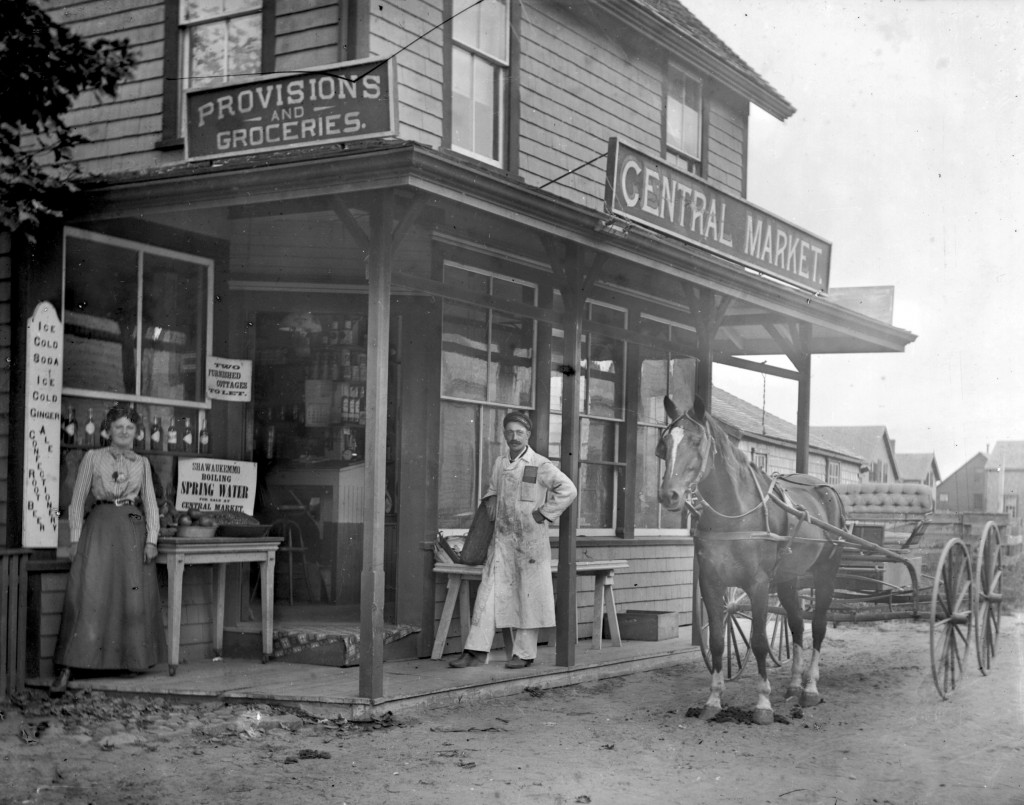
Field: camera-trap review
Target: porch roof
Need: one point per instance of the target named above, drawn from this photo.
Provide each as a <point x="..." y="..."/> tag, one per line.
<point x="763" y="317"/>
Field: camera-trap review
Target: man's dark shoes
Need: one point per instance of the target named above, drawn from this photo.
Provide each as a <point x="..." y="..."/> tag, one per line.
<point x="469" y="659"/>
<point x="518" y="662"/>
<point x="60" y="683"/>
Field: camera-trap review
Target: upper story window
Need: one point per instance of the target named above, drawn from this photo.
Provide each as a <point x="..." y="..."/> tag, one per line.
<point x="833" y="472"/>
<point x="683" y="110"/>
<point x="221" y="41"/>
<point x="479" y="84"/>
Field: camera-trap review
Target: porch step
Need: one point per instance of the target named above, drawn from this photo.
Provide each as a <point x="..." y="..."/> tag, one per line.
<point x="329" y="645"/>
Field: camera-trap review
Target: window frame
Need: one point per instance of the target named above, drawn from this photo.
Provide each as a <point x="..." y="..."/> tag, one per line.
<point x="480" y="471"/>
<point x="674" y="75"/>
<point x="207" y="264"/>
<point x="173" y="101"/>
<point x="503" y="71"/>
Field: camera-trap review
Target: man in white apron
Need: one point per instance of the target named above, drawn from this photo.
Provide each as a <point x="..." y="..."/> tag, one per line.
<point x="526" y="493"/>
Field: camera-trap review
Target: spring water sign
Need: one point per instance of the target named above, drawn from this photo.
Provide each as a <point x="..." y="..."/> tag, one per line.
<point x="44" y="356"/>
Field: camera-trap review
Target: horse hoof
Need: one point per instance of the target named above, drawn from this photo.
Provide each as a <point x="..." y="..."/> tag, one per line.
<point x="709" y="713"/>
<point x="810" y="699"/>
<point x="763" y="717"/>
<point x="794" y="693"/>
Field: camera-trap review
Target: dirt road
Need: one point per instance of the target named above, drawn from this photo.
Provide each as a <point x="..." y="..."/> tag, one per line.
<point x="882" y="736"/>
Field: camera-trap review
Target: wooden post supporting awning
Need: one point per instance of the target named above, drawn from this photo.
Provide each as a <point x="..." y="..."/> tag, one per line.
<point x="379" y="245"/>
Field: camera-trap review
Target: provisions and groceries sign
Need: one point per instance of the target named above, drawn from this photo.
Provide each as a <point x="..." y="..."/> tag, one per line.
<point x="338" y="103"/>
<point x="229" y="379"/>
<point x="44" y="354"/>
<point x="208" y="484"/>
<point x="654" y="193"/>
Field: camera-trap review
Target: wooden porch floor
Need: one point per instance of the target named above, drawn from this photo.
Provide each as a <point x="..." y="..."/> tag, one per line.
<point x="408" y="684"/>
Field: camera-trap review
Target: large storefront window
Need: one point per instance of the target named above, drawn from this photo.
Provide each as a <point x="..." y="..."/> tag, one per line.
<point x="661" y="373"/>
<point x="602" y="409"/>
<point x="136" y="321"/>
<point x="487" y="369"/>
<point x="479" y="66"/>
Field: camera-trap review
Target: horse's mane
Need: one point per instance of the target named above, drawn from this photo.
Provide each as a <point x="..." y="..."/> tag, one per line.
<point x="725" y="446"/>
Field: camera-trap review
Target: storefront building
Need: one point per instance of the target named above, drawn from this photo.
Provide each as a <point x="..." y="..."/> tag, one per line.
<point x="409" y="219"/>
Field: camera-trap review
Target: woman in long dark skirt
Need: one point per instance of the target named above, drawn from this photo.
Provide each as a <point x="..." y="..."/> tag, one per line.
<point x="112" y="619"/>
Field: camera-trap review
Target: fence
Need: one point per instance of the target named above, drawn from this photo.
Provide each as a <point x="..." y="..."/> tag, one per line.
<point x="13" y="619"/>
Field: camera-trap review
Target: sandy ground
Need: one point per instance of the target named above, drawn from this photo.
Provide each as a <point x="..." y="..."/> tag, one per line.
<point x="882" y="736"/>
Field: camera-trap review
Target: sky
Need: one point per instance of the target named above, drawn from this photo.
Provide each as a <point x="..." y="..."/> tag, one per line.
<point x="905" y="153"/>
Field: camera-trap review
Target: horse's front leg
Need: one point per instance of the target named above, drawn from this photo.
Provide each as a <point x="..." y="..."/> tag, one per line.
<point x="790" y="599"/>
<point x="713" y="596"/>
<point x="763" y="713"/>
<point x="824" y="587"/>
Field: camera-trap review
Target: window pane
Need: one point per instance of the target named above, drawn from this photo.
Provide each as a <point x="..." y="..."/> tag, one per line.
<point x="682" y="381"/>
<point x="597" y="440"/>
<point x="483" y="27"/>
<point x="604" y="376"/>
<point x="597" y="496"/>
<point x="674" y="123"/>
<point x="174" y="336"/>
<point x="456" y="496"/>
<point x="204" y="9"/>
<point x="494" y="444"/>
<point x="510" y="376"/>
<point x="206" y="54"/>
<point x="555" y="437"/>
<point x="648" y="477"/>
<point x="100" y="316"/>
<point x="653" y="388"/>
<point x="462" y="100"/>
<point x="483" y="108"/>
<point x="245" y="36"/>
<point x="464" y="352"/>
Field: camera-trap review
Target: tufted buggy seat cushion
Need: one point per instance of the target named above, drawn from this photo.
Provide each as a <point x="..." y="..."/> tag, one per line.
<point x="886" y="501"/>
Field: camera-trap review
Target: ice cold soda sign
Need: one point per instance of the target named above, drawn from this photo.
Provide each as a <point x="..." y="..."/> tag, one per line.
<point x="44" y="355"/>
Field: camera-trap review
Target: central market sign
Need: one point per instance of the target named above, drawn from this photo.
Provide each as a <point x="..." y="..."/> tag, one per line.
<point x="338" y="103"/>
<point x="652" y="192"/>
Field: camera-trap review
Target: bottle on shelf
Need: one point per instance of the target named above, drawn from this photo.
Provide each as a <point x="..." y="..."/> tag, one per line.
<point x="90" y="431"/>
<point x="172" y="437"/>
<point x="104" y="433"/>
<point x="204" y="435"/>
<point x="187" y="438"/>
<point x="156" y="435"/>
<point x="140" y="435"/>
<point x="71" y="427"/>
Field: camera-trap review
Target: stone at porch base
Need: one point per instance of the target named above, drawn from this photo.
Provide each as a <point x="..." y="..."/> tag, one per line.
<point x="335" y="646"/>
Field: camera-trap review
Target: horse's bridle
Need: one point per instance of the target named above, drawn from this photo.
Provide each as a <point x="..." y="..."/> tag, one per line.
<point x="692" y="497"/>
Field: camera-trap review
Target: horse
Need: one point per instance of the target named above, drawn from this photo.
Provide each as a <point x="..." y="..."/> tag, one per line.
<point x="754" y="531"/>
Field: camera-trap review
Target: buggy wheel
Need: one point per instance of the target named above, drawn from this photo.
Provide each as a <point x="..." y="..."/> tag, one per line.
<point x="737" y="633"/>
<point x="780" y="649"/>
<point x="990" y="595"/>
<point x="953" y="605"/>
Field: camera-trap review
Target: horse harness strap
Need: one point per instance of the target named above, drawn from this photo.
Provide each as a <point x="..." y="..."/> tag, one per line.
<point x="737" y="536"/>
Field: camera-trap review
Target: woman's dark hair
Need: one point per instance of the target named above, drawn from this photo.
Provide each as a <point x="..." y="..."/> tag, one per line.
<point x="123" y="410"/>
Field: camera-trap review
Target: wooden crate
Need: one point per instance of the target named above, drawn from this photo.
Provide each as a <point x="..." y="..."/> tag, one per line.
<point x="636" y="624"/>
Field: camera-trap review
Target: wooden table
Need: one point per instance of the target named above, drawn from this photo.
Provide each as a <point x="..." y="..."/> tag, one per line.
<point x="459" y="577"/>
<point x="176" y="552"/>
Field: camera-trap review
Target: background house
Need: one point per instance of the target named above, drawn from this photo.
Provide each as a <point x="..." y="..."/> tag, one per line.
<point x="771" y="442"/>
<point x="872" y="443"/>
<point x="964" y="489"/>
<point x="918" y="468"/>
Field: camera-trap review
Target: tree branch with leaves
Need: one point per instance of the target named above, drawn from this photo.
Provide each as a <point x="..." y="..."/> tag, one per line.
<point x="45" y="68"/>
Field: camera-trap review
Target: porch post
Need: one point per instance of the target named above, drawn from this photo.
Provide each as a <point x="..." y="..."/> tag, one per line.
<point x="566" y="629"/>
<point x="803" y="413"/>
<point x="371" y="605"/>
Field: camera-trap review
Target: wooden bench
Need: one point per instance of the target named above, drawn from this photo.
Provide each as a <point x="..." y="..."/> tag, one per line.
<point x="460" y="576"/>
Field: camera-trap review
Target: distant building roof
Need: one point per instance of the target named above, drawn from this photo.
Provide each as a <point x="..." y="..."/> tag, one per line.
<point x="755" y="422"/>
<point x="1008" y="455"/>
<point x="861" y="440"/>
<point x="914" y="467"/>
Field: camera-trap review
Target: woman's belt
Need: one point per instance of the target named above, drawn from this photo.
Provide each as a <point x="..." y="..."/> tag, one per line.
<point x="119" y="502"/>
